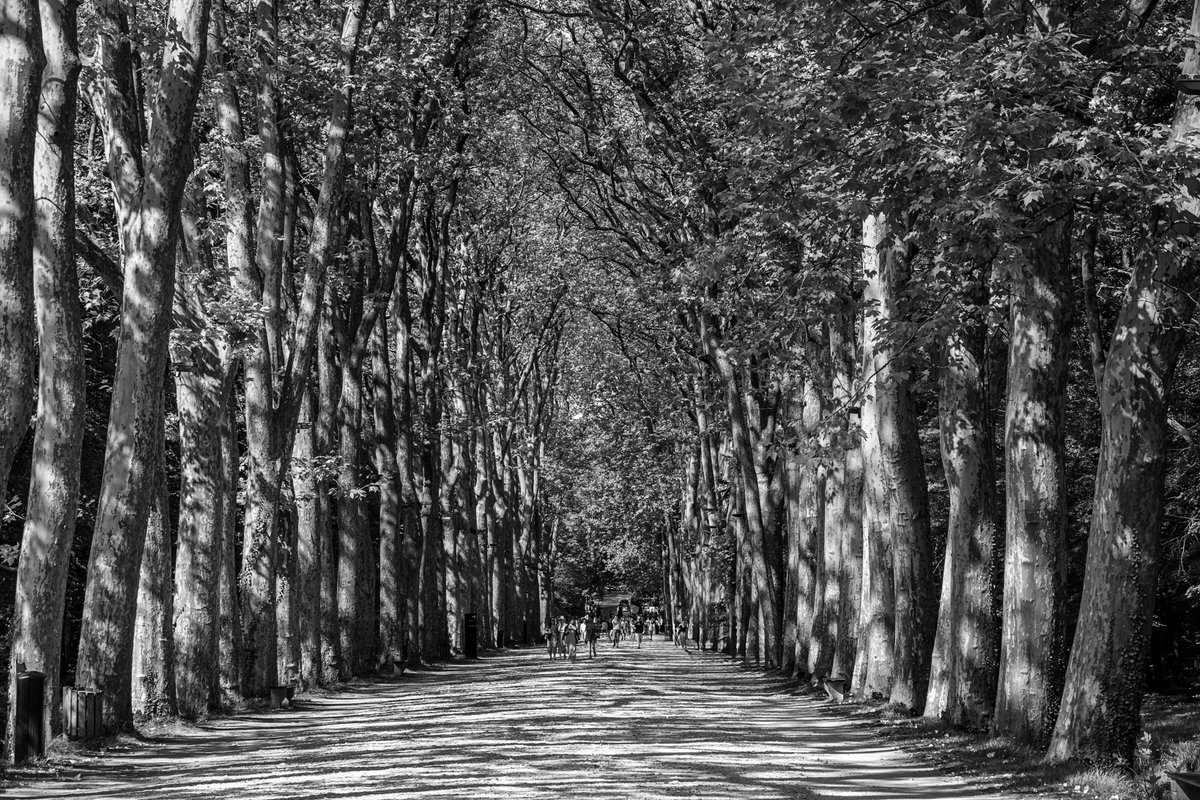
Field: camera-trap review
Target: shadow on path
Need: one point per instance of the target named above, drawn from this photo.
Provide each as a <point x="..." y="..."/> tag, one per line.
<point x="646" y="723"/>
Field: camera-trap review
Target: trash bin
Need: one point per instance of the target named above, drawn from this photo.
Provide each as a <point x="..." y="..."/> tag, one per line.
<point x="27" y="738"/>
<point x="83" y="711"/>
<point x="471" y="636"/>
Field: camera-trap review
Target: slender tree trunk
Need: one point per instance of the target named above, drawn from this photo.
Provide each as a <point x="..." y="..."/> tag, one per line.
<point x="258" y="280"/>
<point x="154" y="652"/>
<point x="199" y="386"/>
<point x="306" y="487"/>
<point x="847" y="507"/>
<point x="58" y="429"/>
<point x="230" y="622"/>
<point x="412" y="546"/>
<point x="1100" y="715"/>
<point x="824" y="531"/>
<point x="1033" y="627"/>
<point x="896" y="471"/>
<point x="21" y="74"/>
<point x="329" y="390"/>
<point x="391" y="526"/>
<point x="353" y="536"/>
<point x="962" y="685"/>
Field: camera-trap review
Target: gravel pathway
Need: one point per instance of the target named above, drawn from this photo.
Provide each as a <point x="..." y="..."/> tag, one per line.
<point x="646" y="723"/>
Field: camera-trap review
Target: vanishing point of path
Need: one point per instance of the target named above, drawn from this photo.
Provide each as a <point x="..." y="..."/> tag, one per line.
<point x="631" y="724"/>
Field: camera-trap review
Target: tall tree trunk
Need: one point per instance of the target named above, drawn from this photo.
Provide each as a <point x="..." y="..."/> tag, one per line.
<point x="761" y="542"/>
<point x="1100" y="715"/>
<point x="230" y="634"/>
<point x="353" y="536"/>
<point x="306" y="487"/>
<point x="1033" y="623"/>
<point x="154" y="651"/>
<point x="258" y="280"/>
<point x="329" y="390"/>
<point x="391" y="525"/>
<point x="847" y="509"/>
<point x="148" y="200"/>
<point x="411" y="548"/>
<point x="21" y="64"/>
<point x="962" y="682"/>
<point x="896" y="471"/>
<point x="801" y="587"/>
<point x="199" y="385"/>
<point x="239" y="256"/>
<point x="824" y="531"/>
<point x="58" y="429"/>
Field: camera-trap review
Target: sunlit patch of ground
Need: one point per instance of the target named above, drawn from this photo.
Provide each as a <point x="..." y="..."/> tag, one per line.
<point x="649" y="723"/>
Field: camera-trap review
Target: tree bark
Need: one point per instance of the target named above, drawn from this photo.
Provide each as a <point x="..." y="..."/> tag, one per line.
<point x="230" y="628"/>
<point x="899" y="477"/>
<point x="1100" y="715"/>
<point x="58" y="429"/>
<point x="21" y="73"/>
<point x="154" y="652"/>
<point x="200" y="361"/>
<point x="760" y="541"/>
<point x="846" y="508"/>
<point x="325" y="443"/>
<point x="148" y="197"/>
<point x="353" y="537"/>
<point x="1033" y="622"/>
<point x="962" y="684"/>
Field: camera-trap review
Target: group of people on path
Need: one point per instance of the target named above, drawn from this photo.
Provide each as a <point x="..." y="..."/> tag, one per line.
<point x="564" y="635"/>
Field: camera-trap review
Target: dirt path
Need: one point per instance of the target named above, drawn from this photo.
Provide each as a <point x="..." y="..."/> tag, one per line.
<point x="631" y="724"/>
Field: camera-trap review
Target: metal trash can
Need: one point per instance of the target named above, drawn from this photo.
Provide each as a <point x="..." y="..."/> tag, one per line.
<point x="471" y="636"/>
<point x="28" y="741"/>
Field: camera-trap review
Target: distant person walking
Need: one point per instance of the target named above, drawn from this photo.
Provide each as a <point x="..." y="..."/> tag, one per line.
<point x="559" y="630"/>
<point x="616" y="631"/>
<point x="548" y="635"/>
<point x="681" y="635"/>
<point x="570" y="639"/>
<point x="593" y="636"/>
<point x="639" y="627"/>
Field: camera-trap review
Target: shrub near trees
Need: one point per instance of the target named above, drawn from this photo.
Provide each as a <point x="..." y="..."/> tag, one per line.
<point x="812" y="310"/>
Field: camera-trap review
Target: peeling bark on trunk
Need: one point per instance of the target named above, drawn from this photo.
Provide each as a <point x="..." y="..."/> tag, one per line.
<point x="896" y="472"/>
<point x="845" y="505"/>
<point x="353" y="537"/>
<point x="391" y="526"/>
<point x="148" y="198"/>
<point x="258" y="281"/>
<point x="154" y="652"/>
<point x="21" y="64"/>
<point x="1100" y="715"/>
<point x="58" y="429"/>
<point x="962" y="684"/>
<point x="306" y="488"/>
<point x="1033" y="624"/>
<point x="325" y="443"/>
<point x="200" y="365"/>
<point x="230" y="634"/>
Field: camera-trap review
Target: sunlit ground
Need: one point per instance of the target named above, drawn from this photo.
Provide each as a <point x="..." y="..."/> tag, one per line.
<point x="631" y="724"/>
